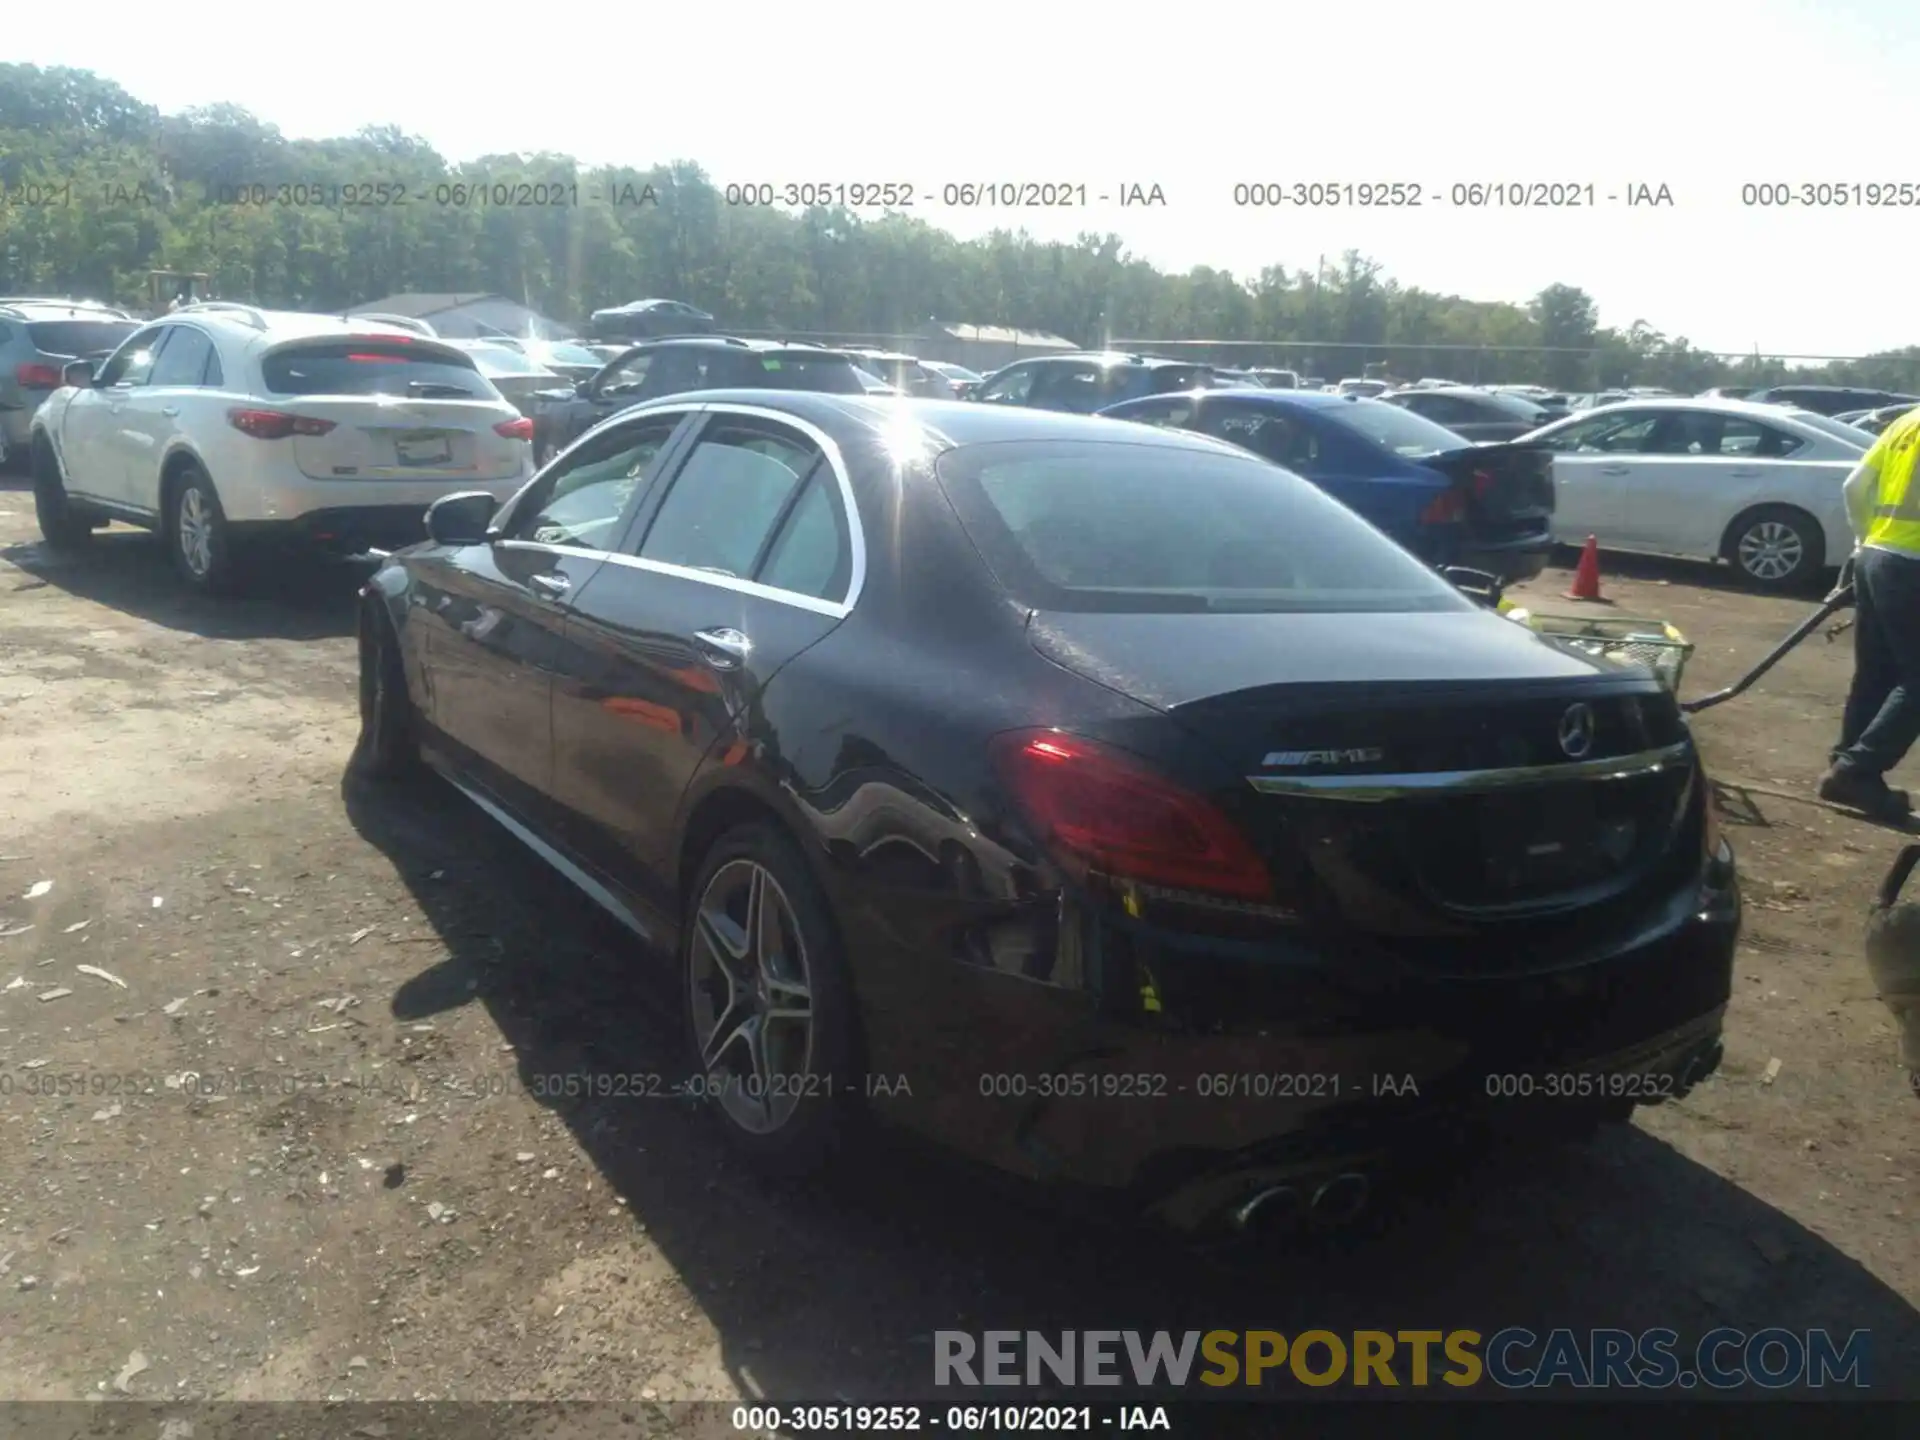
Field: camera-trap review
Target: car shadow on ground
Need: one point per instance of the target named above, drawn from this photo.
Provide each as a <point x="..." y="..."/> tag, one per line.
<point x="835" y="1288"/>
<point x="291" y="596"/>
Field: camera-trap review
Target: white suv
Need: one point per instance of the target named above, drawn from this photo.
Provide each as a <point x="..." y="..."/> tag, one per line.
<point x="222" y="424"/>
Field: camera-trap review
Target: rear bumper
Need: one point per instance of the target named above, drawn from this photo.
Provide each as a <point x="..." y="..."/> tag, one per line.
<point x="1277" y="1068"/>
<point x="345" y="529"/>
<point x="280" y="498"/>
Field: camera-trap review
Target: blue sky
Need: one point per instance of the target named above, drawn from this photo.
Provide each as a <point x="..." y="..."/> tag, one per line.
<point x="1697" y="95"/>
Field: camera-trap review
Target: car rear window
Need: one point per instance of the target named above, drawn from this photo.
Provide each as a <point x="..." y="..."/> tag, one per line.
<point x="799" y="370"/>
<point x="1406" y="434"/>
<point x="78" y="337"/>
<point x="366" y="366"/>
<point x="1147" y="528"/>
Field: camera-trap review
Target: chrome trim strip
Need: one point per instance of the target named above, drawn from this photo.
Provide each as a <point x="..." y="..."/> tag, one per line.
<point x="1373" y="788"/>
<point x="836" y="461"/>
<point x="590" y="887"/>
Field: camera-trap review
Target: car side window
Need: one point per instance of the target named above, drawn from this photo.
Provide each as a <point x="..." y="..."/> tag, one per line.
<point x="1279" y="438"/>
<point x="1010" y="387"/>
<point x="626" y="376"/>
<point x="1072" y="386"/>
<point x="580" y="500"/>
<point x="812" y="553"/>
<point x="1626" y="433"/>
<point x="183" y="363"/>
<point x="674" y="372"/>
<point x="133" y="362"/>
<point x="730" y="496"/>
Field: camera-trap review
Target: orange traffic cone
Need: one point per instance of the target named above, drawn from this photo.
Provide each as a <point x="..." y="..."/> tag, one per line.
<point x="1586" y="579"/>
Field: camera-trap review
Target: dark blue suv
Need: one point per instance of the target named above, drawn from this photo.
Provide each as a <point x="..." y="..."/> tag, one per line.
<point x="1080" y="384"/>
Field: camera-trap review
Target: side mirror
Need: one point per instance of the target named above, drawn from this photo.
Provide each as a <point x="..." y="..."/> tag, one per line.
<point x="1476" y="584"/>
<point x="461" y="519"/>
<point x="77" y="373"/>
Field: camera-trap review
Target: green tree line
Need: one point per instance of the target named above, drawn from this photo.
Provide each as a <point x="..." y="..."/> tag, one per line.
<point x="101" y="189"/>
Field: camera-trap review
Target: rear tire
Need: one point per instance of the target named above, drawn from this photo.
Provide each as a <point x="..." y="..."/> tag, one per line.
<point x="65" y="525"/>
<point x="1777" y="547"/>
<point x="197" y="535"/>
<point x="785" y="1089"/>
<point x="389" y="748"/>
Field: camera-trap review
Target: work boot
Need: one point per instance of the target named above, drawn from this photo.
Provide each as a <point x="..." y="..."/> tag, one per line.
<point x="1869" y="794"/>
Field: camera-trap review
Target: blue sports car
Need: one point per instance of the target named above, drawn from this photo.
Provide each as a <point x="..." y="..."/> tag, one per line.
<point x="1448" y="500"/>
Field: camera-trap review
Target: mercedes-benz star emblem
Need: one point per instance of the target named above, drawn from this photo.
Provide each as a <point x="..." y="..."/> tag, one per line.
<point x="1576" y="731"/>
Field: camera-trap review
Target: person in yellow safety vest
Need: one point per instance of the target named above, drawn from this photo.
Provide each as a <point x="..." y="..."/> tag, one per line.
<point x="1882" y="718"/>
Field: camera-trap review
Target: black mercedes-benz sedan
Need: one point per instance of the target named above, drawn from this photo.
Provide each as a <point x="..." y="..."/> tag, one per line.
<point x="1103" y="801"/>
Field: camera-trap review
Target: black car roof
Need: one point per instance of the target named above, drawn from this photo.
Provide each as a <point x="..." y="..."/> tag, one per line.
<point x="948" y="423"/>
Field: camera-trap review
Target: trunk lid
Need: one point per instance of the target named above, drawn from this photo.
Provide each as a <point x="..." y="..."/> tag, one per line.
<point x="390" y="407"/>
<point x="1505" y="489"/>
<point x="389" y="438"/>
<point x="1424" y="775"/>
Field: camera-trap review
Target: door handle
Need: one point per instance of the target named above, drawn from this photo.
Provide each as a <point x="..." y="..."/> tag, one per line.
<point x="170" y="411"/>
<point x="1615" y="470"/>
<point x="724" y="648"/>
<point x="553" y="586"/>
<point x="1744" y="474"/>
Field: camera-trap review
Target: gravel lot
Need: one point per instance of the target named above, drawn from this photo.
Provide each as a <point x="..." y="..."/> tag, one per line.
<point x="362" y="1197"/>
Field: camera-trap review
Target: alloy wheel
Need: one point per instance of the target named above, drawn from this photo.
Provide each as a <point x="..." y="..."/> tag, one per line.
<point x="196" y="530"/>
<point x="1771" y="550"/>
<point x="751" y="997"/>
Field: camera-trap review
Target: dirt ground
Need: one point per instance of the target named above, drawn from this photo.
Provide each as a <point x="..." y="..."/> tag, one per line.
<point x="301" y="1159"/>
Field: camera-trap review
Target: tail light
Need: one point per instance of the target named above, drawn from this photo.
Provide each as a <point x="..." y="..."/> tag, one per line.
<point x="37" y="377"/>
<point x="519" y="429"/>
<point x="276" y="424"/>
<point x="1113" y="815"/>
<point x="1483" y="483"/>
<point x="1448" y="508"/>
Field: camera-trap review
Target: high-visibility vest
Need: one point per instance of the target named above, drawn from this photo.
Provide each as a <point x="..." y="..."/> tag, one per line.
<point x="1896" y="509"/>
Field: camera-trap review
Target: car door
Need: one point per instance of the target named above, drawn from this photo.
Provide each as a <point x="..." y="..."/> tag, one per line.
<point x="494" y="636"/>
<point x="1595" y="473"/>
<point x="748" y="551"/>
<point x="1707" y="468"/>
<point x="93" y="448"/>
<point x="152" y="416"/>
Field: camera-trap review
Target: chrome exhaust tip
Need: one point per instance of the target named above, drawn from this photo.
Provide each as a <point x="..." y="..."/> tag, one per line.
<point x="1267" y="1210"/>
<point x="1340" y="1200"/>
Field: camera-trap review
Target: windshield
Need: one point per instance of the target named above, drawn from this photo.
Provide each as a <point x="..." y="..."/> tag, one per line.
<point x="952" y="372"/>
<point x="1406" y="434"/>
<point x="368" y="366"/>
<point x="1851" y="435"/>
<point x="1169" y="529"/>
<point x="78" y="337"/>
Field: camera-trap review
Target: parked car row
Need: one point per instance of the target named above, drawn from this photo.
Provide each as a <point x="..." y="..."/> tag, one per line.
<point x="942" y="741"/>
